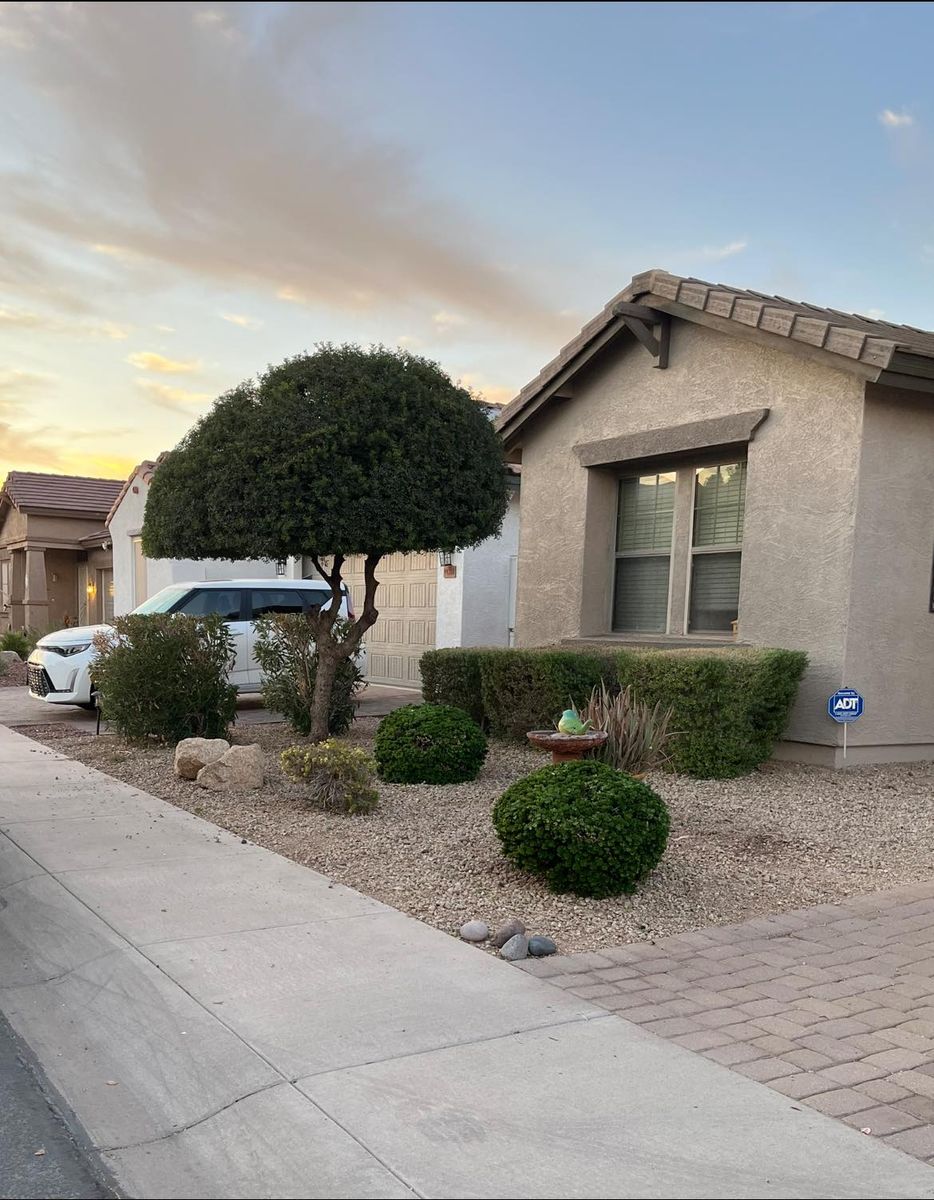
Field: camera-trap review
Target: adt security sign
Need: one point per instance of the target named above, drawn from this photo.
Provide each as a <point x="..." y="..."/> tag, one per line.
<point x="845" y="706"/>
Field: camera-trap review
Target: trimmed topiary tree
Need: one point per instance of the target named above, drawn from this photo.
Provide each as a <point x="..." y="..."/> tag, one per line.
<point x="344" y="451"/>
<point x="429" y="743"/>
<point x="583" y="827"/>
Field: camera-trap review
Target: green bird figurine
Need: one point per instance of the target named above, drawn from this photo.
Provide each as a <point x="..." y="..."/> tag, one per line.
<point x="571" y="723"/>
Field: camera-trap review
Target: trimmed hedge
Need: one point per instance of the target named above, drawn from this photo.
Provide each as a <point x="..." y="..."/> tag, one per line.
<point x="510" y="692"/>
<point x="452" y="677"/>
<point x="730" y="706"/>
<point x="583" y="827"/>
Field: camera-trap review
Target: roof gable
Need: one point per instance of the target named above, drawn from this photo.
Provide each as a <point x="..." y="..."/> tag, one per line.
<point x="145" y="469"/>
<point x="874" y="349"/>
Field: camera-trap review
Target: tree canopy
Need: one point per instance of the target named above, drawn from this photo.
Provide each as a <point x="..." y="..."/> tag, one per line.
<point x="343" y="451"/>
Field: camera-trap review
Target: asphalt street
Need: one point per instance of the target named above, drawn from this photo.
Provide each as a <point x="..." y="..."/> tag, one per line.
<point x="39" y="1160"/>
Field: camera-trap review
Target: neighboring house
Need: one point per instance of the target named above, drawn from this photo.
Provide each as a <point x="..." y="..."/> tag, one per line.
<point x="704" y="464"/>
<point x="136" y="577"/>
<point x="55" y="561"/>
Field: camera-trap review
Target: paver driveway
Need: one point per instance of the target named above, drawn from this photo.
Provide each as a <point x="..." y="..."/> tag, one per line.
<point x="832" y="1006"/>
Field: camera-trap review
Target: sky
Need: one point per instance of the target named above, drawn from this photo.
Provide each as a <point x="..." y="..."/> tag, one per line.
<point x="192" y="191"/>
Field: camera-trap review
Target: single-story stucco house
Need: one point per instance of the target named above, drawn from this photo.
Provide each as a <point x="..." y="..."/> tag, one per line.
<point x="704" y="465"/>
<point x="55" y="560"/>
<point x="425" y="600"/>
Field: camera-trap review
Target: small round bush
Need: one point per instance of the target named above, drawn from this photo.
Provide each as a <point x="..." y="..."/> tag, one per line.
<point x="583" y="827"/>
<point x="429" y="743"/>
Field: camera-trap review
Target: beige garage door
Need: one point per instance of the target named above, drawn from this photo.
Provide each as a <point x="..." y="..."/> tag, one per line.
<point x="406" y="625"/>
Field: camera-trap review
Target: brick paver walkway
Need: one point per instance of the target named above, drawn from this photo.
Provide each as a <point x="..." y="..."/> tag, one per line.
<point x="832" y="1006"/>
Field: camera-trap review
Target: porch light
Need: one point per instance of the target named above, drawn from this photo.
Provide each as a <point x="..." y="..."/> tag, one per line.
<point x="446" y="558"/>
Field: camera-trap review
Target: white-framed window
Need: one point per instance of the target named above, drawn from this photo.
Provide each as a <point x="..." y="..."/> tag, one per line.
<point x="716" y="547"/>
<point x="5" y="594"/>
<point x="644" y="526"/>
<point x="649" y="534"/>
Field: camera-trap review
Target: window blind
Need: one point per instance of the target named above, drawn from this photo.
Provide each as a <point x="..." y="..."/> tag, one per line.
<point x="641" y="596"/>
<point x="715" y="592"/>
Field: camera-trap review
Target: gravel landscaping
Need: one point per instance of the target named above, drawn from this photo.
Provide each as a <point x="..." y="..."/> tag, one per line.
<point x="784" y="837"/>
<point x="14" y="675"/>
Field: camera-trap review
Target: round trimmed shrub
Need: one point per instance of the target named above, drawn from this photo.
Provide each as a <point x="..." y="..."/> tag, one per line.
<point x="429" y="743"/>
<point x="583" y="827"/>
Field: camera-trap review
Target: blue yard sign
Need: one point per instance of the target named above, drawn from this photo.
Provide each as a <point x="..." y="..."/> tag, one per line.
<point x="845" y="706"/>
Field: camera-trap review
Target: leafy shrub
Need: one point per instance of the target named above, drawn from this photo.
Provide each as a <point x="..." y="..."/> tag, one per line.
<point x="285" y="649"/>
<point x="18" y="642"/>
<point x="452" y="676"/>
<point x="165" y="676"/>
<point x="429" y="743"/>
<point x="339" y="777"/>
<point x="729" y="708"/>
<point x="583" y="827"/>
<point x="638" y="733"/>
<point x="529" y="689"/>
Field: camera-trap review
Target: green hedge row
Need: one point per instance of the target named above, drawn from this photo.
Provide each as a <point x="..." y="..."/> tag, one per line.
<point x="730" y="706"/>
<point x="509" y="692"/>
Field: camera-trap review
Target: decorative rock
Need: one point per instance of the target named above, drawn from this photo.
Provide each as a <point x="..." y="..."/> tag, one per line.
<point x="9" y="658"/>
<point x="540" y="946"/>
<point x="239" y="769"/>
<point x="475" y="931"/>
<point x="507" y="931"/>
<point x="191" y="754"/>
<point x="517" y="947"/>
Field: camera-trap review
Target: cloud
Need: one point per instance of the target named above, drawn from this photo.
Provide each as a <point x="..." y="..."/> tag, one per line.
<point x="490" y="393"/>
<point x="240" y="162"/>
<point x="446" y="321"/>
<point x="408" y="341"/>
<point x="242" y="321"/>
<point x="21" y="318"/>
<point x="178" y="399"/>
<point x="716" y="253"/>
<point x="149" y="360"/>
<point x="895" y="120"/>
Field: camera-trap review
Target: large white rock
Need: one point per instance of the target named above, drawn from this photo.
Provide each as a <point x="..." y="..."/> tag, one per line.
<point x="9" y="658"/>
<point x="191" y="754"/>
<point x="240" y="769"/>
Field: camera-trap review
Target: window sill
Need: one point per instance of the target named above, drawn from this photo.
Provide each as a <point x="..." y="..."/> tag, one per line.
<point x="656" y="641"/>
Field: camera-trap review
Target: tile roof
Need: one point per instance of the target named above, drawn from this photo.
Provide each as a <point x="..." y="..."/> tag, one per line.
<point x="77" y="494"/>
<point x="146" y="468"/>
<point x="867" y="340"/>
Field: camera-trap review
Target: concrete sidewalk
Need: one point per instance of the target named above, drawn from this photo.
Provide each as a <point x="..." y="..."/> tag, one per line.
<point x="226" y="1023"/>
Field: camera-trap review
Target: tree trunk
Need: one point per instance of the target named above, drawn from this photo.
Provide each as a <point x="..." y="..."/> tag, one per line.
<point x="329" y="658"/>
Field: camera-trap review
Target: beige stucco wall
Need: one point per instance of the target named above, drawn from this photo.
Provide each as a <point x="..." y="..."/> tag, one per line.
<point x="800" y="503"/>
<point x="890" y="640"/>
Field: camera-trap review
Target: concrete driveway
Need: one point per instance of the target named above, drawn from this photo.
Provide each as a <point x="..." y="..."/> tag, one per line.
<point x="224" y="1022"/>
<point x="17" y="707"/>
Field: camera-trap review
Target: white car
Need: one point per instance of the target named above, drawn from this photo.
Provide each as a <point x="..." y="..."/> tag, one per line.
<point x="59" y="669"/>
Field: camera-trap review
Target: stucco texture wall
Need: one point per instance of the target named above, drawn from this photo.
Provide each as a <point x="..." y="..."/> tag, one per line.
<point x="800" y="501"/>
<point x="890" y="639"/>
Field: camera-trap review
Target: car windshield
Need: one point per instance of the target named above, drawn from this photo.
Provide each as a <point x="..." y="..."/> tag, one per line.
<point x="162" y="601"/>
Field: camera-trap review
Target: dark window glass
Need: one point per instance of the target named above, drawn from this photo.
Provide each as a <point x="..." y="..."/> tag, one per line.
<point x="277" y="600"/>
<point x="715" y="592"/>
<point x="204" y="601"/>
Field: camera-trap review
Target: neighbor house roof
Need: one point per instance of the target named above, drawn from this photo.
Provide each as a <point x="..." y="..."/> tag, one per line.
<point x="878" y="350"/>
<point x="78" y="494"/>
<point x="146" y="469"/>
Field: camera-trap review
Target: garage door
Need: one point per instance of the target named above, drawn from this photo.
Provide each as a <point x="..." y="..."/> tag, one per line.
<point x="406" y="625"/>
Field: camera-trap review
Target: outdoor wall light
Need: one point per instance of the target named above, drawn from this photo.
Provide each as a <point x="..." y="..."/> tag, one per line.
<point x="446" y="558"/>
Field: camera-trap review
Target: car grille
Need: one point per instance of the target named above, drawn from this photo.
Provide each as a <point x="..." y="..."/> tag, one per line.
<point x="38" y="680"/>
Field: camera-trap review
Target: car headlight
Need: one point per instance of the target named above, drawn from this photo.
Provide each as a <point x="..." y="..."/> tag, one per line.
<point x="68" y="651"/>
